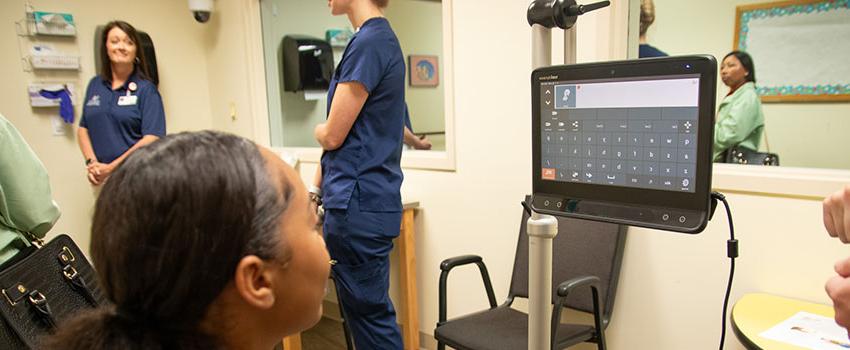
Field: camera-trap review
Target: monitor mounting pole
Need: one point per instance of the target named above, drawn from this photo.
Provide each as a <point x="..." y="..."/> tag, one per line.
<point x="543" y="15"/>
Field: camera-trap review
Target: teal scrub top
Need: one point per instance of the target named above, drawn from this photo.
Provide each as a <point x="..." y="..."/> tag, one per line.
<point x="740" y="121"/>
<point x="26" y="204"/>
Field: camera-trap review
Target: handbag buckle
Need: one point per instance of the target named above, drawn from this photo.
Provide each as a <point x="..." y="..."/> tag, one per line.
<point x="70" y="272"/>
<point x="66" y="256"/>
<point x="21" y="291"/>
<point x="36" y="298"/>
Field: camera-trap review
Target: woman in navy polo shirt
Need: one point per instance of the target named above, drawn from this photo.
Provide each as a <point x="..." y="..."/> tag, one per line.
<point x="360" y="173"/>
<point x="123" y="110"/>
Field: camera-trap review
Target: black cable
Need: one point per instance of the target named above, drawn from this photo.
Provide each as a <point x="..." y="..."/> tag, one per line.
<point x="732" y="253"/>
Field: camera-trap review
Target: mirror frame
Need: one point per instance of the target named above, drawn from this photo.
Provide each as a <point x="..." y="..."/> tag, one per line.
<point x="411" y="159"/>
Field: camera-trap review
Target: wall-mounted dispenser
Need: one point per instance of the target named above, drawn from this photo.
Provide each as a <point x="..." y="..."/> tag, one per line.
<point x="308" y="63"/>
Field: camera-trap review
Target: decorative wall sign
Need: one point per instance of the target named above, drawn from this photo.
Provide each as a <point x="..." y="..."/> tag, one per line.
<point x="800" y="48"/>
<point x="424" y="70"/>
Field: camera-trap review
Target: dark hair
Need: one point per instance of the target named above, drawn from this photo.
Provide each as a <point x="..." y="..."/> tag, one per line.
<point x="747" y="62"/>
<point x="141" y="65"/>
<point x="381" y="3"/>
<point x="170" y="227"/>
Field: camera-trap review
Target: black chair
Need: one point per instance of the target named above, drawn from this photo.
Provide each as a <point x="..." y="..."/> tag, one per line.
<point x="586" y="263"/>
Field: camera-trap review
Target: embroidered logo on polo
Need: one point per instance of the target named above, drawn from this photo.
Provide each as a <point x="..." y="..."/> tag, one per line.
<point x="94" y="101"/>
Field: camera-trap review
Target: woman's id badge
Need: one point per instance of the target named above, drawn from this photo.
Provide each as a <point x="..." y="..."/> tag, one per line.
<point x="127" y="100"/>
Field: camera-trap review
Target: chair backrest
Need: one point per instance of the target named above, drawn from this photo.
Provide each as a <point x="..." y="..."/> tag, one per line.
<point x="581" y="248"/>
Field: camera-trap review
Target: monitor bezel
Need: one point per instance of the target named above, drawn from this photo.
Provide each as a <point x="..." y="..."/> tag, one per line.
<point x="704" y="65"/>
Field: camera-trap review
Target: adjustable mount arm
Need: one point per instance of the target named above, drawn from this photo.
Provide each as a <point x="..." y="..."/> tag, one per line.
<point x="559" y="13"/>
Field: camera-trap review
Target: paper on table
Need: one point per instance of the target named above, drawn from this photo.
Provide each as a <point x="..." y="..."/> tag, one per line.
<point x="809" y="331"/>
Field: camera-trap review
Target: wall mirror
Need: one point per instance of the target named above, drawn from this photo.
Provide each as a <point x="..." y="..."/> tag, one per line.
<point x="804" y="134"/>
<point x="424" y="31"/>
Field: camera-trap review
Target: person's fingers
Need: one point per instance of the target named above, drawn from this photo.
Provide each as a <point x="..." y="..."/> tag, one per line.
<point x="837" y="289"/>
<point x="837" y="213"/>
<point x="845" y="218"/>
<point x="828" y="222"/>
<point x="842" y="267"/>
<point x="92" y="179"/>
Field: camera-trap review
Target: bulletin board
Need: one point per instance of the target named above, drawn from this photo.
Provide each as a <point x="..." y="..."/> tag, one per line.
<point x="800" y="48"/>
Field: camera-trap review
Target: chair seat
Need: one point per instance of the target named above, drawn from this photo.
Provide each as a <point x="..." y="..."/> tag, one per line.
<point x="501" y="328"/>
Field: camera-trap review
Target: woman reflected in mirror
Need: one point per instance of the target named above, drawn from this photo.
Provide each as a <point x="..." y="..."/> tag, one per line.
<point x="740" y="120"/>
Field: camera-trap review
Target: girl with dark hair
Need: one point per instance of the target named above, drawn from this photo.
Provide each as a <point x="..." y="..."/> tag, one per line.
<point x="202" y="241"/>
<point x="123" y="109"/>
<point x="360" y="173"/>
<point x="740" y="120"/>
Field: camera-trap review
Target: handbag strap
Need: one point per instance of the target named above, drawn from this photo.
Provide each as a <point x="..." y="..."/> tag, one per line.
<point x="766" y="142"/>
<point x="39" y="302"/>
<point x="38" y="242"/>
<point x="34" y="298"/>
<point x="66" y="259"/>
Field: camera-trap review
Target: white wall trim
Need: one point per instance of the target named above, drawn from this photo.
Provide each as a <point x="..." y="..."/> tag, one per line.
<point x="255" y="65"/>
<point x="779" y="181"/>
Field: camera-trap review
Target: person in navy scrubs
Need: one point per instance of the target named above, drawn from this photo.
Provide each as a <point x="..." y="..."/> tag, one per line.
<point x="123" y="109"/>
<point x="360" y="173"/>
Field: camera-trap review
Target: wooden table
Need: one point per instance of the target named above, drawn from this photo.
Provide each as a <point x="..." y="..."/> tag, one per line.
<point x="409" y="307"/>
<point x="757" y="312"/>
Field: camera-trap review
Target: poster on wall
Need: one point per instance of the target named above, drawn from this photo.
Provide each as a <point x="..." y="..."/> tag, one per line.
<point x="424" y="70"/>
<point x="800" y="48"/>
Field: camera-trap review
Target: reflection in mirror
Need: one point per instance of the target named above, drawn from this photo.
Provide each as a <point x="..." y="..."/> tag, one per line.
<point x="294" y="114"/>
<point x="810" y="134"/>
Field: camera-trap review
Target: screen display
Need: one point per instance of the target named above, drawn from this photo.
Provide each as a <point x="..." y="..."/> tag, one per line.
<point x="630" y="132"/>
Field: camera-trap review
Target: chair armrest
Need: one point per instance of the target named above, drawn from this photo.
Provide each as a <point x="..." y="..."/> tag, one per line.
<point x="564" y="290"/>
<point x="568" y="286"/>
<point x="451" y="263"/>
<point x="447" y="265"/>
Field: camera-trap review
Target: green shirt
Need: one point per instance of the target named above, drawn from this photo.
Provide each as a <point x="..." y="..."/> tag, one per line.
<point x="26" y="204"/>
<point x="740" y="121"/>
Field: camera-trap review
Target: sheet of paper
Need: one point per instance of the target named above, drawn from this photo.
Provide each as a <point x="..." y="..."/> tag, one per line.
<point x="810" y="331"/>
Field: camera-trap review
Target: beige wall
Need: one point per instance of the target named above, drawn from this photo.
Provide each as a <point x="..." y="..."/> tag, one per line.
<point x="803" y="134"/>
<point x="183" y="84"/>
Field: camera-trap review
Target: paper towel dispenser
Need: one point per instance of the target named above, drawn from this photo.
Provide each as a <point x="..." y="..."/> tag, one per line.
<point x="308" y="63"/>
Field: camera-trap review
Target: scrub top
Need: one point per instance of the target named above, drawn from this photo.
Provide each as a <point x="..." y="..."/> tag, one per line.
<point x="740" y="121"/>
<point x="647" y="51"/>
<point x="370" y="156"/>
<point x="117" y="119"/>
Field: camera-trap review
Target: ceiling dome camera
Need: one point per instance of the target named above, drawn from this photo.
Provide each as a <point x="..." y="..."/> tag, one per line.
<point x="201" y="10"/>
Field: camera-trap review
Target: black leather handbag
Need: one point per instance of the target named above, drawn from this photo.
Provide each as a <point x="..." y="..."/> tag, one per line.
<point x="742" y="155"/>
<point x="43" y="289"/>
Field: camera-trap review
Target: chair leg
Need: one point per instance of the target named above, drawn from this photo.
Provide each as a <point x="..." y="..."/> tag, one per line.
<point x="600" y="343"/>
<point x="441" y="346"/>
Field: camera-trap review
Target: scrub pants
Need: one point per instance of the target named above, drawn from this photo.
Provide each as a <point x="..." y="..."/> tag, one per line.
<point x="360" y="242"/>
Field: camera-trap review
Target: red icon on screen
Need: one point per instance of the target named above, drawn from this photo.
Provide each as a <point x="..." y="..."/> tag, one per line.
<point x="548" y="174"/>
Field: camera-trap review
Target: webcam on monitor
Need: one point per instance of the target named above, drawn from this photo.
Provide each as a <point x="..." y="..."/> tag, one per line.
<point x="627" y="142"/>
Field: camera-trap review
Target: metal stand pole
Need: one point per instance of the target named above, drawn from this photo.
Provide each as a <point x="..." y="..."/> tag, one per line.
<point x="541" y="230"/>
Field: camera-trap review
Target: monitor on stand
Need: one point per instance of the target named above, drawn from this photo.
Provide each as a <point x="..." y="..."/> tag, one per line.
<point x="627" y="142"/>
